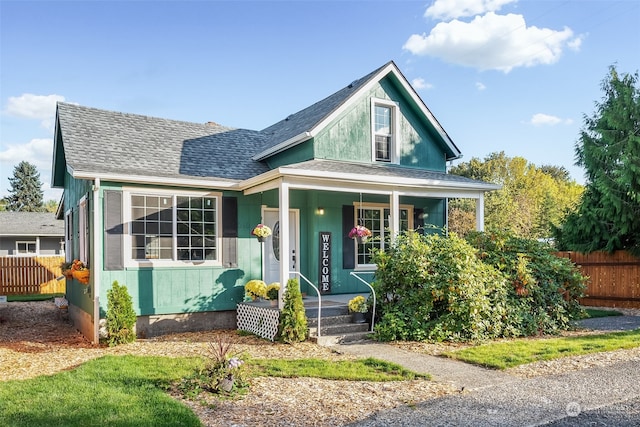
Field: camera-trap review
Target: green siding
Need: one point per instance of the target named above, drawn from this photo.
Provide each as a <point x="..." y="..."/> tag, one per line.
<point x="168" y="290"/>
<point x="348" y="137"/>
<point x="78" y="294"/>
<point x="299" y="153"/>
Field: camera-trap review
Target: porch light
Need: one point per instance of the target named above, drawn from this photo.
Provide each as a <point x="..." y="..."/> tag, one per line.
<point x="320" y="211"/>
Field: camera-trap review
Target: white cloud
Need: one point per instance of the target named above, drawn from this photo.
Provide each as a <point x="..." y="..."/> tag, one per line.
<point x="444" y="10"/>
<point x="541" y="119"/>
<point x="419" y="83"/>
<point x="38" y="152"/>
<point x="492" y="42"/>
<point x="480" y="86"/>
<point x="30" y="106"/>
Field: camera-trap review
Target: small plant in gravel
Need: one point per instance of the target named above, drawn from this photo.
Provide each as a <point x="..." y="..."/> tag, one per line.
<point x="121" y="318"/>
<point x="293" y="320"/>
<point x="223" y="372"/>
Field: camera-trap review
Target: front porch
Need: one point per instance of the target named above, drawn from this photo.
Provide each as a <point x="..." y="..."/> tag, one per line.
<point x="329" y="311"/>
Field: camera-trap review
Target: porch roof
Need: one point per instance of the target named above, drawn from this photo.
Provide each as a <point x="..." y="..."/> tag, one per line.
<point x="380" y="178"/>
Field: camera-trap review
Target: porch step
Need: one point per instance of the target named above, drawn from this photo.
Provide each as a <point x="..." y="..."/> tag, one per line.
<point x="329" y="340"/>
<point x="327" y="311"/>
<point x="336" y="329"/>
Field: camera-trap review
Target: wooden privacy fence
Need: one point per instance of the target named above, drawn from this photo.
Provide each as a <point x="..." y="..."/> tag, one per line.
<point x="614" y="279"/>
<point x="31" y="275"/>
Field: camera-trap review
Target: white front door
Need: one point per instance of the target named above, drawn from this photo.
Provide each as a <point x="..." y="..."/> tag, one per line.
<point x="271" y="246"/>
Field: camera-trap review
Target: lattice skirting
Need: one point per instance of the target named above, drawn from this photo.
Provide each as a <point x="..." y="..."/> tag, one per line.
<point x="262" y="321"/>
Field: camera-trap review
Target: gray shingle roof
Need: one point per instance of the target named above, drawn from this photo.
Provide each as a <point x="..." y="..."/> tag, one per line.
<point x="107" y="142"/>
<point x="385" y="170"/>
<point x="306" y="119"/>
<point x="30" y="224"/>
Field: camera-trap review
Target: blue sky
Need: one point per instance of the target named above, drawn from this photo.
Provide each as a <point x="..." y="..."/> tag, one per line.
<point x="499" y="75"/>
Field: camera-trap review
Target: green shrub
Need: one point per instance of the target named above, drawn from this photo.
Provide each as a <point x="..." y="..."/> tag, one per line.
<point x="544" y="289"/>
<point x="293" y="320"/>
<point x="433" y="287"/>
<point x="121" y="317"/>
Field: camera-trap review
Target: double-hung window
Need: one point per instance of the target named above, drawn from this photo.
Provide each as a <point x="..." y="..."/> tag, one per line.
<point x="384" y="126"/>
<point x="168" y="228"/>
<point x="26" y="248"/>
<point x="377" y="219"/>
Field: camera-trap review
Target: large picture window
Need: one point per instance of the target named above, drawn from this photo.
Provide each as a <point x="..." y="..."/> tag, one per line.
<point x="376" y="219"/>
<point x="174" y="227"/>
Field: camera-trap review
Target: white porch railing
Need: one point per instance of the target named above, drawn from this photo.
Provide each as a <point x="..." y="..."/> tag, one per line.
<point x="317" y="291"/>
<point x="373" y="292"/>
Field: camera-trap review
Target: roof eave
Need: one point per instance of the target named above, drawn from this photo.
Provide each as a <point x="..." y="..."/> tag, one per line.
<point x="154" y="180"/>
<point x="291" y="142"/>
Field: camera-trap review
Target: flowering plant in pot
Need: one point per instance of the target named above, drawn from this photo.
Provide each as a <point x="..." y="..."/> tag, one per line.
<point x="255" y="289"/>
<point x="358" y="307"/>
<point x="360" y="233"/>
<point x="272" y="292"/>
<point x="261" y="231"/>
<point x="66" y="269"/>
<point x="80" y="271"/>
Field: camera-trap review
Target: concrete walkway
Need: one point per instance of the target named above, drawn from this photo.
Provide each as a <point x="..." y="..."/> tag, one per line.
<point x="608" y="395"/>
<point x="460" y="375"/>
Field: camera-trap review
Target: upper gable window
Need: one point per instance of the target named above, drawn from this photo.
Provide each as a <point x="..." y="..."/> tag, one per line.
<point x="384" y="128"/>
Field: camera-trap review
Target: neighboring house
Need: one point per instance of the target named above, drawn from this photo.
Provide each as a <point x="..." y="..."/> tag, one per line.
<point x="30" y="234"/>
<point x="167" y="207"/>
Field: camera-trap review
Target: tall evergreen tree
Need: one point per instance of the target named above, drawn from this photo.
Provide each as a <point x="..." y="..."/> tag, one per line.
<point x="25" y="194"/>
<point x="609" y="149"/>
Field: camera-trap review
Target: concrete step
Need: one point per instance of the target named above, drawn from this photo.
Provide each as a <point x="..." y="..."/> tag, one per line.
<point x="329" y="320"/>
<point x="340" y="329"/>
<point x="327" y="311"/>
<point x="330" y="340"/>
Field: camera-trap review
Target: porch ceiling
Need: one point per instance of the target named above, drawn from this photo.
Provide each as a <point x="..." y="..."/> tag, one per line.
<point x="329" y="175"/>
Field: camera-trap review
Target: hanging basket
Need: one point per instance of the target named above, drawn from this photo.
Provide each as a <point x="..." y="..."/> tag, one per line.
<point x="361" y="240"/>
<point x="82" y="276"/>
<point x="261" y="239"/>
<point x="68" y="274"/>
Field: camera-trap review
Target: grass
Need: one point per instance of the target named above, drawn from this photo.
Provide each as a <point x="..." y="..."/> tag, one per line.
<point x="32" y="297"/>
<point x="594" y="312"/>
<point x="505" y="355"/>
<point x="113" y="390"/>
<point x="353" y="370"/>
<point x="131" y="390"/>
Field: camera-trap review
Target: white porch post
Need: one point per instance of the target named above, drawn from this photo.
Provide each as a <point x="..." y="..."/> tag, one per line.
<point x="283" y="215"/>
<point x="394" y="220"/>
<point x="480" y="212"/>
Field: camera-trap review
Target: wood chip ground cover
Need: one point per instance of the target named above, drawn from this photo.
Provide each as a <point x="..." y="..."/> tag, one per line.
<point x="35" y="340"/>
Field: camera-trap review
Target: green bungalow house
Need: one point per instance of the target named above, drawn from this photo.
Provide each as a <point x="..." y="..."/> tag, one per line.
<point x="167" y="207"/>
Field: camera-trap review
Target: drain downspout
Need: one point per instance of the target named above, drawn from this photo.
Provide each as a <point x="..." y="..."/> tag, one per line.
<point x="96" y="260"/>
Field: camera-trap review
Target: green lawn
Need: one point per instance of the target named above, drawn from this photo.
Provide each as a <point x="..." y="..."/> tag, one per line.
<point x="131" y="390"/>
<point x="110" y="391"/>
<point x="505" y="355"/>
<point x="353" y="370"/>
<point x="594" y="312"/>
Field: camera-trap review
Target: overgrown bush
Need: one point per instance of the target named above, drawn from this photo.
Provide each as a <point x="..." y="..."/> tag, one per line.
<point x="446" y="288"/>
<point x="435" y="288"/>
<point x="544" y="289"/>
<point x="293" y="320"/>
<point x="121" y="318"/>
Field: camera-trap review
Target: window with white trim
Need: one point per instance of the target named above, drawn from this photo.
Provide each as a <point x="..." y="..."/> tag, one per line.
<point x="83" y="231"/>
<point x="173" y="227"/>
<point x="384" y="127"/>
<point x="26" y="248"/>
<point x="68" y="235"/>
<point x="377" y="219"/>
